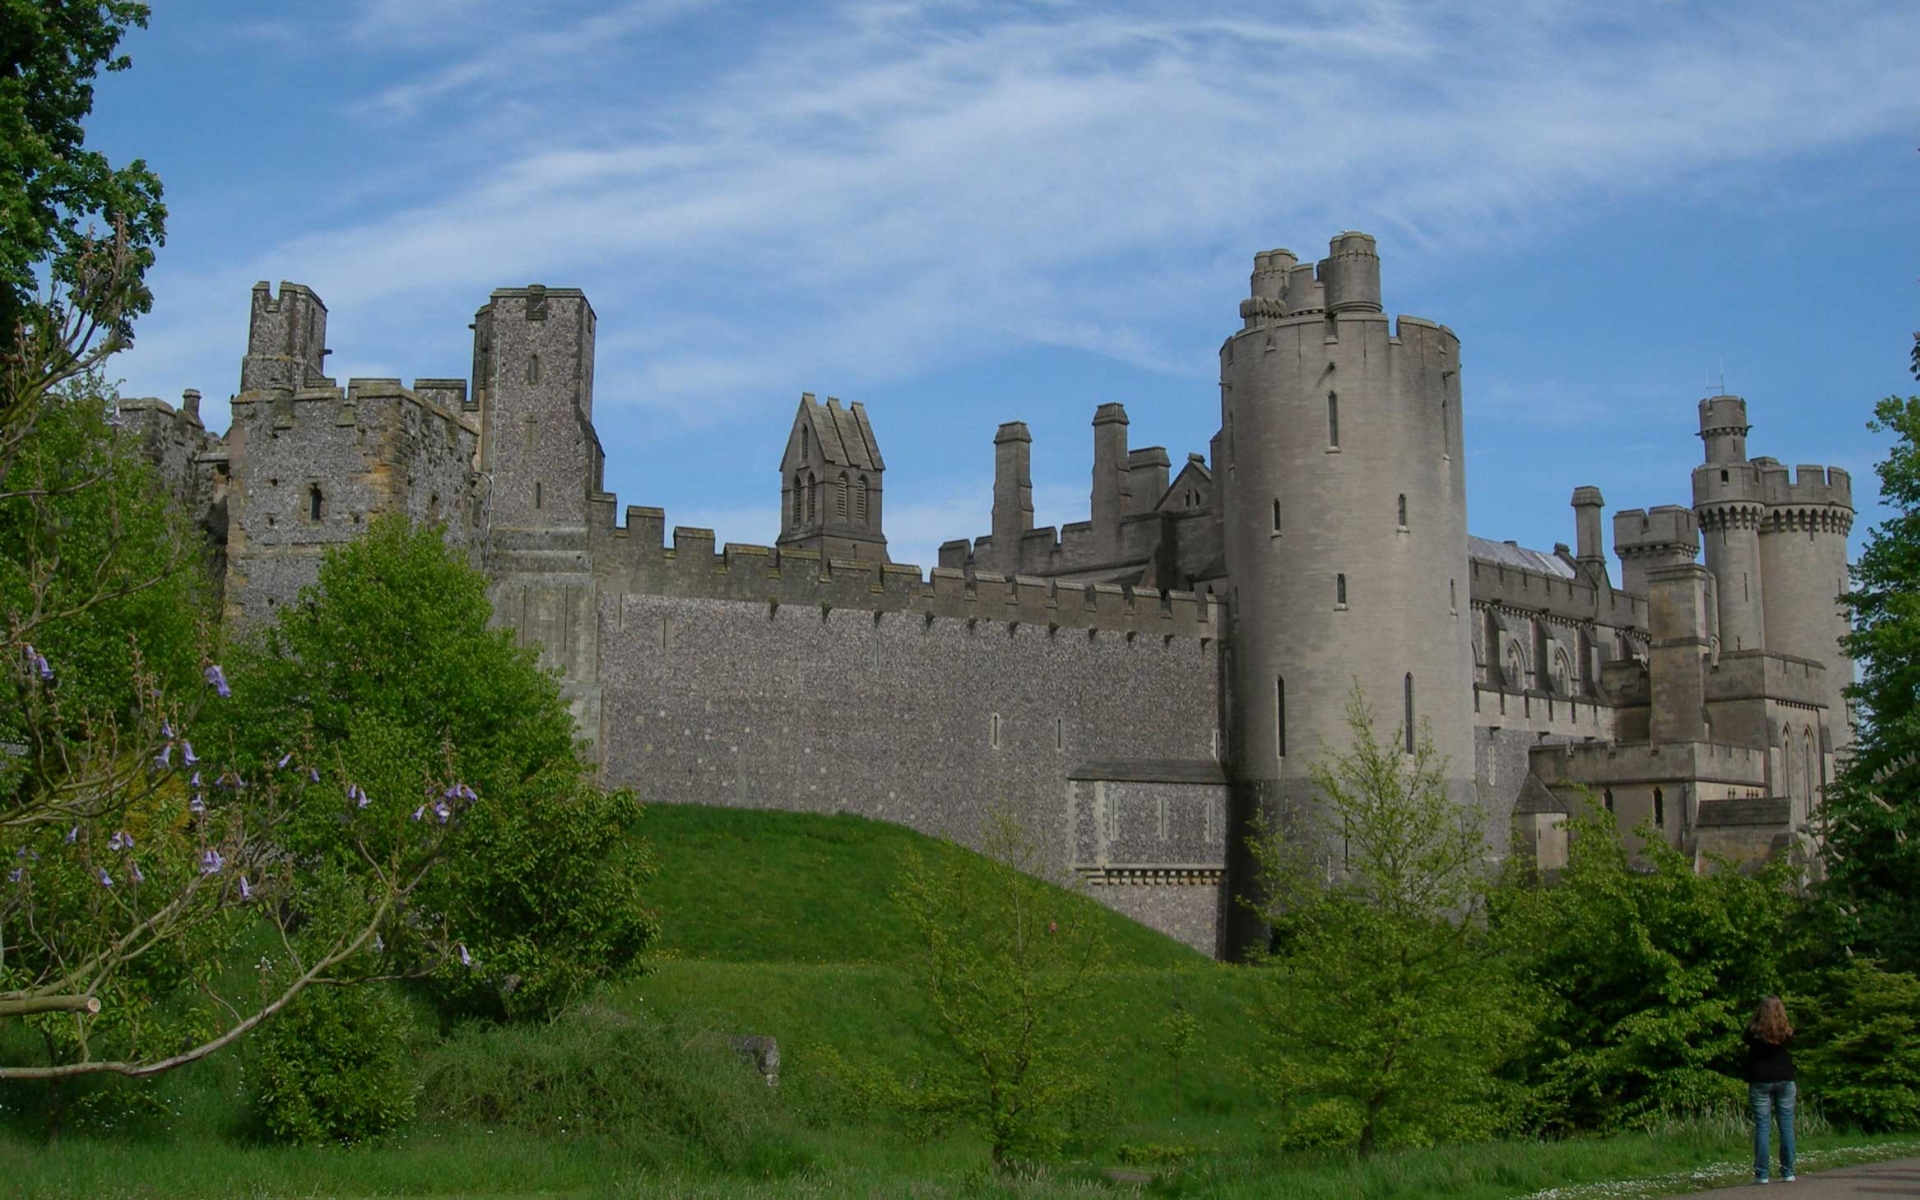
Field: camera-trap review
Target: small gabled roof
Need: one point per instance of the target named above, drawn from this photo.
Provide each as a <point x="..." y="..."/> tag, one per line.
<point x="844" y="435"/>
<point x="1535" y="798"/>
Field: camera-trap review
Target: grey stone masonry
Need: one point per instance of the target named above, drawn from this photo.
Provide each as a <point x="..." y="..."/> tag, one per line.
<point x="1137" y="686"/>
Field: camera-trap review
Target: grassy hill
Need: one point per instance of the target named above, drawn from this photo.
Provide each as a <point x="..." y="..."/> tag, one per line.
<point x="745" y="885"/>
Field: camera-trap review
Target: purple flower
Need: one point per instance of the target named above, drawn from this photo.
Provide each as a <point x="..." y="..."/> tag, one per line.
<point x="164" y="759"/>
<point x="38" y="662"/>
<point x="466" y="960"/>
<point x="121" y="840"/>
<point x="106" y="880"/>
<point x="217" y="679"/>
<point x="313" y="774"/>
<point x="137" y="876"/>
<point x="379" y="947"/>
<point x="210" y="861"/>
<point x="441" y="811"/>
<point x="197" y="805"/>
<point x="27" y="852"/>
<point x="358" y="795"/>
<point x="73" y="835"/>
<point x="284" y="760"/>
<point x="246" y="890"/>
<point x="166" y="729"/>
<point x="17" y="874"/>
<point x="420" y="813"/>
<point x="195" y="781"/>
<point x="187" y="756"/>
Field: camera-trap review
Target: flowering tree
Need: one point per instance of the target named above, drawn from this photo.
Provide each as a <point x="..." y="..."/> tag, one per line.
<point x="137" y="862"/>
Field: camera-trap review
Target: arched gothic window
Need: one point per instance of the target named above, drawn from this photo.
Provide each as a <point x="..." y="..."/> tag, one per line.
<point x="1516" y="667"/>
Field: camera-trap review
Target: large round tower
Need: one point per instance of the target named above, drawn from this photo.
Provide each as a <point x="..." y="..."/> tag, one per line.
<point x="1803" y="554"/>
<point x="1727" y="500"/>
<point x="1346" y="537"/>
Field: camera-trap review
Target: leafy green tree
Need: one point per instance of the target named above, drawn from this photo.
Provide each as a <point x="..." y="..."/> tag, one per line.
<point x="53" y="189"/>
<point x="387" y="672"/>
<point x="1861" y="1036"/>
<point x="1006" y="969"/>
<point x="1872" y="812"/>
<point x="1384" y="1017"/>
<point x="1644" y="975"/>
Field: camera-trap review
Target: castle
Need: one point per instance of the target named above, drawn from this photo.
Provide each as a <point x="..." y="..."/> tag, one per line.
<point x="1135" y="686"/>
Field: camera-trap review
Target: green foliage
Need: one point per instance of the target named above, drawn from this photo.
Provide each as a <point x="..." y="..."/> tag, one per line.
<point x="99" y="568"/>
<point x="388" y="674"/>
<point x="754" y="885"/>
<point x="1005" y="970"/>
<point x="1385" y="1016"/>
<point x="51" y="186"/>
<point x="1644" y="975"/>
<point x="1872" y="843"/>
<point x="1860" y="1039"/>
<point x="336" y="1065"/>
<point x="661" y="1091"/>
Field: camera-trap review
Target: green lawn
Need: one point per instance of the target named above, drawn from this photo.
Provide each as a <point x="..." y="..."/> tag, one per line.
<point x="780" y="923"/>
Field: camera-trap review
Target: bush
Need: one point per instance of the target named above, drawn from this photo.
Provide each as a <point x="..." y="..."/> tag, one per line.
<point x="673" y="1094"/>
<point x="333" y="1066"/>
<point x="1861" y="1061"/>
<point x="387" y="675"/>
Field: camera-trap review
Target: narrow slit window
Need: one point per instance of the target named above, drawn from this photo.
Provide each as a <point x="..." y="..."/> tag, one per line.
<point x="1453" y="595"/>
<point x="537" y="494"/>
<point x="1280" y="714"/>
<point x="1606" y="798"/>
<point x="533" y="368"/>
<point x="1409" y="711"/>
<point x="1659" y="809"/>
<point x="1340" y="590"/>
<point x="993" y="731"/>
<point x="1059" y="733"/>
<point x="1446" y="429"/>
<point x="1403" y="510"/>
<point x="314" y="502"/>
<point x="1333" y="420"/>
<point x="1276" y="516"/>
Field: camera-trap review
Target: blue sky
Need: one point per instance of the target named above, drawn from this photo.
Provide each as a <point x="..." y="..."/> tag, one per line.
<point x="963" y="213"/>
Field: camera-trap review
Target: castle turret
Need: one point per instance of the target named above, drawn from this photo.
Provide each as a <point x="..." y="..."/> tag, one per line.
<point x="1588" y="552"/>
<point x="533" y="378"/>
<point x="1803" y="556"/>
<point x="1112" y="479"/>
<point x="1346" y="535"/>
<point x="1649" y="538"/>
<point x="286" y="340"/>
<point x="1012" y="493"/>
<point x="1726" y="499"/>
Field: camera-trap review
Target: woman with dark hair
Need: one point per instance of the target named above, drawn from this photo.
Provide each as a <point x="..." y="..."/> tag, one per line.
<point x="1770" y="1084"/>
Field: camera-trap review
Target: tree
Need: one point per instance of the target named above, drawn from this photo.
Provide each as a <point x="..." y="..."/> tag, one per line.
<point x="53" y="190"/>
<point x="1006" y="969"/>
<point x="1643" y="975"/>
<point x="1872" y="833"/>
<point x="1383" y="1015"/>
<point x="389" y="670"/>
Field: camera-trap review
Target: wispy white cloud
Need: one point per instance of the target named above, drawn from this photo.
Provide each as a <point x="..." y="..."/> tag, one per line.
<point x="861" y="192"/>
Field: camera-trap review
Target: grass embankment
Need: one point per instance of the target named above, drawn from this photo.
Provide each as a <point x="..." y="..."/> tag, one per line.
<point x="780" y="923"/>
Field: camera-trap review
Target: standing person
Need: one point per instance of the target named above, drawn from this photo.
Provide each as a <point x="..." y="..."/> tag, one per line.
<point x="1770" y="1084"/>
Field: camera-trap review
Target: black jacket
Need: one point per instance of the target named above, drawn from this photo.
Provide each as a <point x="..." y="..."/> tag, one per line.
<point x="1768" y="1063"/>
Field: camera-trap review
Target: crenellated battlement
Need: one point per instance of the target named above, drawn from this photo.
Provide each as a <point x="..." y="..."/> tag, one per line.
<point x="1660" y="531"/>
<point x="1810" y="485"/>
<point x="637" y="557"/>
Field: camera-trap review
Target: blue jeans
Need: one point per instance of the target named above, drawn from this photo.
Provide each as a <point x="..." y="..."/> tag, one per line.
<point x="1769" y="1100"/>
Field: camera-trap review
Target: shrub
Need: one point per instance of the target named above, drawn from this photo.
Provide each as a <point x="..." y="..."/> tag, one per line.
<point x="333" y="1066"/>
<point x="670" y="1093"/>
<point x="1861" y="1061"/>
